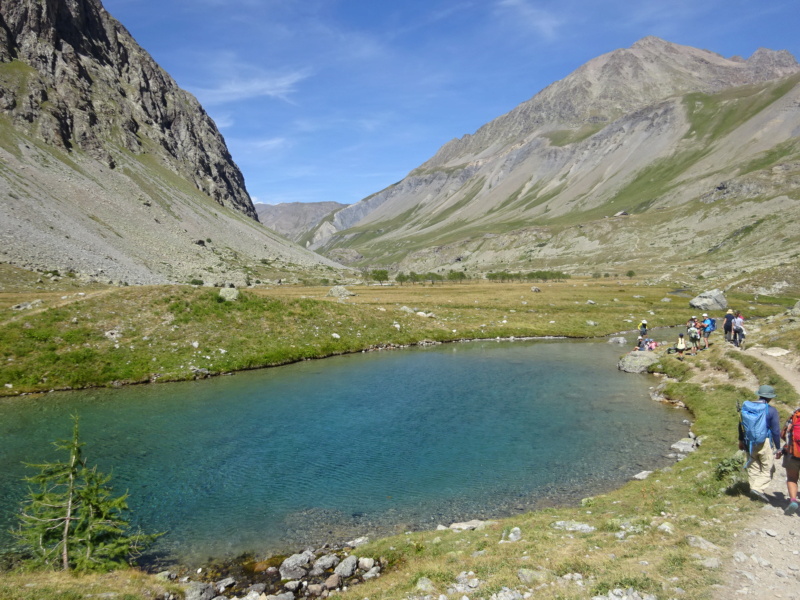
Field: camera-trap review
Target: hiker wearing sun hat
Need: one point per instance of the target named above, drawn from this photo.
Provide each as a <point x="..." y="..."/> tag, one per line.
<point x="727" y="326"/>
<point x="760" y="437"/>
<point x="707" y="326"/>
<point x="643" y="328"/>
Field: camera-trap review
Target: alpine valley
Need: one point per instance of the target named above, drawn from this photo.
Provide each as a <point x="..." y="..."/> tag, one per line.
<point x="660" y="157"/>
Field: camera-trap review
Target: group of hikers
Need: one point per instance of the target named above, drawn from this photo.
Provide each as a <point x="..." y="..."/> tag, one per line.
<point x="760" y="433"/>
<point x="699" y="330"/>
<point x="760" y="437"/>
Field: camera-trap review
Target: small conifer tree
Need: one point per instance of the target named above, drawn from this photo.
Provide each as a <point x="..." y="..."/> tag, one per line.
<point x="71" y="520"/>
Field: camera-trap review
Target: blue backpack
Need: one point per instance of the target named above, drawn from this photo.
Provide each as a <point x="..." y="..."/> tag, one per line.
<point x="712" y="325"/>
<point x="754" y="423"/>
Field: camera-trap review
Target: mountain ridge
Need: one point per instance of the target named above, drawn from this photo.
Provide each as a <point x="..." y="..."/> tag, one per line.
<point x="550" y="175"/>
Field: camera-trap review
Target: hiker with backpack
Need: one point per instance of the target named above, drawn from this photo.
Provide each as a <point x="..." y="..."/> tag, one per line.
<point x="760" y="437"/>
<point x="694" y="334"/>
<point x="708" y="325"/>
<point x="791" y="459"/>
<point x="738" y="330"/>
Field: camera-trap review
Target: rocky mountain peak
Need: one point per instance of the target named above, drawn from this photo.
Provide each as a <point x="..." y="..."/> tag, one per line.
<point x="615" y="84"/>
<point x="90" y="87"/>
<point x="772" y="63"/>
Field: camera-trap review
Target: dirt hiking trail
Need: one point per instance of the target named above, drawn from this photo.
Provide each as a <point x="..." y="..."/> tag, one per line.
<point x="766" y="555"/>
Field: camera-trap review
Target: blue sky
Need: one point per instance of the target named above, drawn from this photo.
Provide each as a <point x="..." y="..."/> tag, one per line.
<point x="336" y="99"/>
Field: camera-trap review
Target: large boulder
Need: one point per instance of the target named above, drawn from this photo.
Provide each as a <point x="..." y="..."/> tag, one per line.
<point x="795" y="310"/>
<point x="711" y="300"/>
<point x="229" y="294"/>
<point x="637" y="361"/>
<point x="339" y="291"/>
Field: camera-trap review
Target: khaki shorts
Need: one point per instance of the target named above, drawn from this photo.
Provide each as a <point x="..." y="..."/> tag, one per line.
<point x="790" y="462"/>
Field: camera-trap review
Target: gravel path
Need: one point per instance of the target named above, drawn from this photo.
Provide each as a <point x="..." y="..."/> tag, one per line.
<point x="766" y="556"/>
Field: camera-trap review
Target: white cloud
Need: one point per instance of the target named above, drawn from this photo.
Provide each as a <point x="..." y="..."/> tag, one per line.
<point x="270" y="143"/>
<point x="237" y="88"/>
<point x="542" y="22"/>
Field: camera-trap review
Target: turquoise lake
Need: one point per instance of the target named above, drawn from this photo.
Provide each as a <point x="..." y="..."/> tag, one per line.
<point x="371" y="444"/>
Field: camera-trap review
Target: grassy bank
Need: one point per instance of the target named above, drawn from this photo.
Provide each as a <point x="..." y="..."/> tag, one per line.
<point x="645" y="534"/>
<point x="169" y="333"/>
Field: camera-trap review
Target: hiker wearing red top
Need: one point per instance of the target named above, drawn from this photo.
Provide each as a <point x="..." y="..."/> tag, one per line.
<point x="791" y="459"/>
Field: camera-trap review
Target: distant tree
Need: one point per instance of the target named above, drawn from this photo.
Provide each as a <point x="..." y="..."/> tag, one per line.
<point x="547" y="275"/>
<point x="70" y="519"/>
<point x="414" y="277"/>
<point x="631" y="274"/>
<point x="457" y="276"/>
<point x="433" y="277"/>
<point x="596" y="275"/>
<point x="606" y="274"/>
<point x="401" y="278"/>
<point x="380" y="275"/>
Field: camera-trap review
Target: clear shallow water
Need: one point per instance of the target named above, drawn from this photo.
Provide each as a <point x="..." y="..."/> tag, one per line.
<point x="376" y="443"/>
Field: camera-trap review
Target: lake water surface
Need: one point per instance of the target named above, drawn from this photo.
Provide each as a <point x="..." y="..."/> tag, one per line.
<point x="272" y="460"/>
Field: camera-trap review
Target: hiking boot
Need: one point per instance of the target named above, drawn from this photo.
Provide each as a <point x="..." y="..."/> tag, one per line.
<point x="791" y="509"/>
<point x="760" y="496"/>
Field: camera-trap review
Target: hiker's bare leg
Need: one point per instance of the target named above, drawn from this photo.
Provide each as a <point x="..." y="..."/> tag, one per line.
<point x="791" y="481"/>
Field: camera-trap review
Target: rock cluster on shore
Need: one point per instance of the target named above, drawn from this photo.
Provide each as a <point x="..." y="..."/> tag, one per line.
<point x="309" y="574"/>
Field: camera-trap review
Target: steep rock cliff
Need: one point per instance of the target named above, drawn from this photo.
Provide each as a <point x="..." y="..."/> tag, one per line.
<point x="73" y="77"/>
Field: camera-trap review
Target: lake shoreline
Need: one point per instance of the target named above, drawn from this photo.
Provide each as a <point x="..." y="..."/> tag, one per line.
<point x="205" y="374"/>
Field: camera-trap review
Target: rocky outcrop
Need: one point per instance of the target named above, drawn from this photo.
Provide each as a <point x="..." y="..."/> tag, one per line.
<point x="73" y="77"/>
